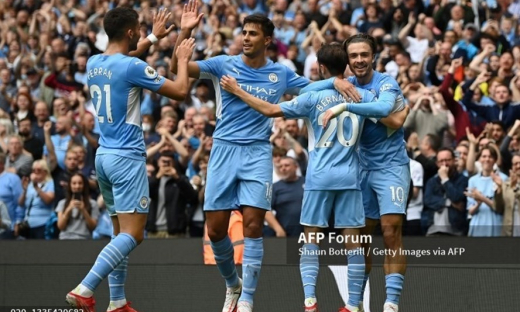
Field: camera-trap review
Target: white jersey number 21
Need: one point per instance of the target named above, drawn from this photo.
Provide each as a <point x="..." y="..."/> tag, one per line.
<point x="95" y="92"/>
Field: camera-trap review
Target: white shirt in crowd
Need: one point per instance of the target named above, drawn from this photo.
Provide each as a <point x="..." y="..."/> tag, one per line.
<point x="416" y="205"/>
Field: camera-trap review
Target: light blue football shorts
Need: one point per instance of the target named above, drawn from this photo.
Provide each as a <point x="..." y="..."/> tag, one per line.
<point x="123" y="183"/>
<point x="239" y="175"/>
<point x="347" y="206"/>
<point x="385" y="191"/>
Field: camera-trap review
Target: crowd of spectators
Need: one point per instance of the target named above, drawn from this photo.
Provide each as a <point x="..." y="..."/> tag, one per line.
<point x="457" y="62"/>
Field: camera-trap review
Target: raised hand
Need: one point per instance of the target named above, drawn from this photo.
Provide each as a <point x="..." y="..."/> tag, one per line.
<point x="47" y="126"/>
<point x="162" y="131"/>
<point x="229" y="84"/>
<point x="456" y="63"/>
<point x="196" y="180"/>
<point x="413" y="141"/>
<point x="443" y="172"/>
<point x="490" y="48"/>
<point x="513" y="178"/>
<point x="159" y="24"/>
<point x="190" y="19"/>
<point x="496" y="178"/>
<point x="471" y="137"/>
<point x="25" y="182"/>
<point x="483" y="77"/>
<point x="475" y="194"/>
<point x="411" y="18"/>
<point x="185" y="50"/>
<point x="517" y="124"/>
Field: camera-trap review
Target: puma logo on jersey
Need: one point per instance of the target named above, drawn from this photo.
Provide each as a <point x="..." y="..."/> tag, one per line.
<point x="236" y="71"/>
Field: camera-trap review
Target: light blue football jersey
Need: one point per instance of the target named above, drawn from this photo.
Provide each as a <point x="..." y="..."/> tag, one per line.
<point x="115" y="83"/>
<point x="333" y="158"/>
<point x="380" y="146"/>
<point x="236" y="121"/>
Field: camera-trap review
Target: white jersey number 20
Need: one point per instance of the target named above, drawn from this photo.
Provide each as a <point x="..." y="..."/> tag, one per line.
<point x="333" y="124"/>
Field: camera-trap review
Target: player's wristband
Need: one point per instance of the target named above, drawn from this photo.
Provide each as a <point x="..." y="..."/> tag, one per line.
<point x="153" y="39"/>
<point x="338" y="109"/>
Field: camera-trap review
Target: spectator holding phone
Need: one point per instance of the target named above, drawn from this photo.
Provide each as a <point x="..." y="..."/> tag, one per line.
<point x="425" y="117"/>
<point x="77" y="213"/>
<point x="173" y="200"/>
<point x="36" y="202"/>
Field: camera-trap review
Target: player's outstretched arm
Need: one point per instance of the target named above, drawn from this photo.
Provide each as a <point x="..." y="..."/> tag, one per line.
<point x="230" y="84"/>
<point x="396" y="120"/>
<point x="159" y="31"/>
<point x="379" y="109"/>
<point x="189" y="21"/>
<point x="178" y="89"/>
<point x="347" y="89"/>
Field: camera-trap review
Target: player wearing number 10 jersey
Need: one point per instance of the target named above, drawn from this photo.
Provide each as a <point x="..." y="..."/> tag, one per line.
<point x="332" y="182"/>
<point x="115" y="81"/>
<point x="385" y="174"/>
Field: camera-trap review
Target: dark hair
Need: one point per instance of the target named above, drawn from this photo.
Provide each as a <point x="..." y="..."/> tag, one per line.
<point x="279" y="151"/>
<point x="25" y="119"/>
<point x="407" y="55"/>
<point x="486" y="36"/>
<point x="272" y="47"/>
<point x="117" y="21"/>
<point x="447" y="149"/>
<point x="63" y="54"/>
<point x="294" y="161"/>
<point x="333" y="57"/>
<point x="499" y="123"/>
<point x="259" y="19"/>
<point x="509" y="91"/>
<point x="168" y="155"/>
<point x="85" y="195"/>
<point x="361" y="38"/>
<point x="374" y="5"/>
<point x="491" y="150"/>
<point x="510" y="52"/>
<point x="434" y="141"/>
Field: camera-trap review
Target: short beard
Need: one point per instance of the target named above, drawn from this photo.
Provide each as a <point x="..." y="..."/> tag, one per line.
<point x="24" y="134"/>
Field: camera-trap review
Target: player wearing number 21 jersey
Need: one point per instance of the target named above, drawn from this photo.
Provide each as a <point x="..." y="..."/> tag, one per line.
<point x="115" y="81"/>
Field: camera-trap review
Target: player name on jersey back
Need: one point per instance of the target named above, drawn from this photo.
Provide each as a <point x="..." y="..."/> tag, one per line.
<point x="118" y="101"/>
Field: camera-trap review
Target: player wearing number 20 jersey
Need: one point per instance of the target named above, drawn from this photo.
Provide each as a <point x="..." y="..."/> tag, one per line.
<point x="121" y="154"/>
<point x="333" y="160"/>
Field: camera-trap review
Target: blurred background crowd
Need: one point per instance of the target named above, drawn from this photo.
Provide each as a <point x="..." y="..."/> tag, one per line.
<point x="457" y="62"/>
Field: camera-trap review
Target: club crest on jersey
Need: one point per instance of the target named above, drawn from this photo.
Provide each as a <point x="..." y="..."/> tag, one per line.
<point x="386" y="86"/>
<point x="144" y="202"/>
<point x="150" y="72"/>
<point x="273" y="77"/>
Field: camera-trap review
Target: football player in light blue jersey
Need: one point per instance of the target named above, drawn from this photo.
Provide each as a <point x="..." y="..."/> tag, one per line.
<point x="332" y="181"/>
<point x="384" y="162"/>
<point x="115" y="81"/>
<point x="240" y="166"/>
